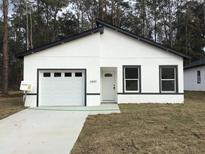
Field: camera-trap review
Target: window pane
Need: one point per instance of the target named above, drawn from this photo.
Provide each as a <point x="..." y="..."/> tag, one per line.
<point x="46" y="74"/>
<point x="68" y="74"/>
<point x="199" y="73"/>
<point x="78" y="74"/>
<point x="198" y="77"/>
<point x="168" y="73"/>
<point x="57" y="74"/>
<point x="131" y="73"/>
<point x="131" y="85"/>
<point x="168" y="85"/>
<point x="108" y="75"/>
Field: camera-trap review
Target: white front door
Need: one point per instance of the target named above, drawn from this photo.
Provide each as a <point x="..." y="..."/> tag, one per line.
<point x="108" y="86"/>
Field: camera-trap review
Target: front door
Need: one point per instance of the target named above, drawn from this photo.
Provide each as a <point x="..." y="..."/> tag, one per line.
<point x="108" y="86"/>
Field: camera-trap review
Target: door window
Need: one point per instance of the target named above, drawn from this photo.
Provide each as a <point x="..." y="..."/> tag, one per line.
<point x="108" y="75"/>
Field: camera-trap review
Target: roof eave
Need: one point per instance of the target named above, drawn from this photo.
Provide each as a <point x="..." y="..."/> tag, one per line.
<point x="59" y="42"/>
<point x="190" y="67"/>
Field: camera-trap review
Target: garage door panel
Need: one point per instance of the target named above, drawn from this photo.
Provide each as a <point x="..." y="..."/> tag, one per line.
<point x="62" y="91"/>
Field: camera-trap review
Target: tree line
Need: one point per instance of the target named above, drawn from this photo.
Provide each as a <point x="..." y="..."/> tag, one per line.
<point x="176" y="24"/>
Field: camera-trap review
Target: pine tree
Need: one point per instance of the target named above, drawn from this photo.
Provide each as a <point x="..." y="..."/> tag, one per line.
<point x="5" y="47"/>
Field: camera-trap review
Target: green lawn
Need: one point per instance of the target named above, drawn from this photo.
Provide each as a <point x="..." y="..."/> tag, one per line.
<point x="147" y="128"/>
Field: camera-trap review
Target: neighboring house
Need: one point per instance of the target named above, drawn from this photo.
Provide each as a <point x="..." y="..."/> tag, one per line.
<point x="194" y="76"/>
<point x="105" y="64"/>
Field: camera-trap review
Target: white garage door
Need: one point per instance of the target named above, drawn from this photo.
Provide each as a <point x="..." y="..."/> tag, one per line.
<point x="61" y="87"/>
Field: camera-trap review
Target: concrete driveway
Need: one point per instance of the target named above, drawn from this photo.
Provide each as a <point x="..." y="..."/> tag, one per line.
<point x="45" y="130"/>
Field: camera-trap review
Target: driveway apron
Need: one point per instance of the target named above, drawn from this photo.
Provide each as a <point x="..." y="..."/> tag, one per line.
<point x="48" y="130"/>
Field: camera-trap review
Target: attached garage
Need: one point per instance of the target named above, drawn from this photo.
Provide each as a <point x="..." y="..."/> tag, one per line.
<point x="61" y="87"/>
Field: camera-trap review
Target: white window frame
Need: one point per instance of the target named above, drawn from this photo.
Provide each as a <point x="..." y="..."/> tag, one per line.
<point x="175" y="79"/>
<point x="138" y="79"/>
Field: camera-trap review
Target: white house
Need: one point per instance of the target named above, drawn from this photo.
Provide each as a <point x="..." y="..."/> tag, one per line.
<point x="104" y="64"/>
<point x="194" y="76"/>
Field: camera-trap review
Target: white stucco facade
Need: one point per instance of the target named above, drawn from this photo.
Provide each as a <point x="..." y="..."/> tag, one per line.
<point x="108" y="50"/>
<point x="190" y="79"/>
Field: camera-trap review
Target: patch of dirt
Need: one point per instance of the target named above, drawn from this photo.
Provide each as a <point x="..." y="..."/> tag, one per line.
<point x="11" y="94"/>
<point x="147" y="128"/>
<point x="10" y="104"/>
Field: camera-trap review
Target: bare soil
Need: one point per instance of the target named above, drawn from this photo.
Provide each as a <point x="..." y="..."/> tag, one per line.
<point x="147" y="129"/>
<point x="10" y="104"/>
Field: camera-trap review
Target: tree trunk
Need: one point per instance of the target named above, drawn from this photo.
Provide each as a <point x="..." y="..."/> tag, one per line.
<point x="102" y="9"/>
<point x="170" y="23"/>
<point x="27" y="28"/>
<point x="55" y="25"/>
<point x="82" y="22"/>
<point x="31" y="31"/>
<point x="38" y="7"/>
<point x="155" y="21"/>
<point x="5" y="47"/>
<point x="113" y="12"/>
<point x="118" y="19"/>
<point x="143" y="18"/>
